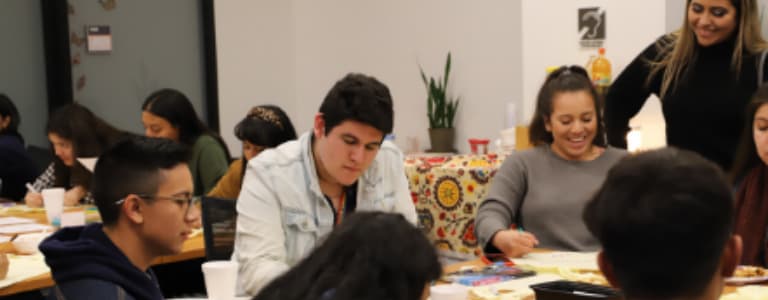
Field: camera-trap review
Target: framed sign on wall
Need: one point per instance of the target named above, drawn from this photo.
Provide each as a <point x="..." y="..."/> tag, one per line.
<point x="591" y="27"/>
<point x="99" y="39"/>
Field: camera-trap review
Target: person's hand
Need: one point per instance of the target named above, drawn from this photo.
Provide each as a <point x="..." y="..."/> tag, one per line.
<point x="72" y="196"/>
<point x="33" y="199"/>
<point x="3" y="265"/>
<point x="514" y="243"/>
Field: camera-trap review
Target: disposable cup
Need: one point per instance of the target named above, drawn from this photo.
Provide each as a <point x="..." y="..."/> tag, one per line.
<point x="220" y="279"/>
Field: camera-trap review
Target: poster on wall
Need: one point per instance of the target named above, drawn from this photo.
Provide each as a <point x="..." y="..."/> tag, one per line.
<point x="591" y="27"/>
<point x="99" y="39"/>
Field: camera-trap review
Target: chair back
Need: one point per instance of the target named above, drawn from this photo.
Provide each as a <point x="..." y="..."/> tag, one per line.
<point x="219" y="220"/>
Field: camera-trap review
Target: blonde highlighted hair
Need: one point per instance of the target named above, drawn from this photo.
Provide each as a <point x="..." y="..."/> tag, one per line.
<point x="676" y="52"/>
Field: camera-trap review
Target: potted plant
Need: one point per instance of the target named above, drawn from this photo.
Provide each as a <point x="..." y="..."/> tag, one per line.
<point x="441" y="110"/>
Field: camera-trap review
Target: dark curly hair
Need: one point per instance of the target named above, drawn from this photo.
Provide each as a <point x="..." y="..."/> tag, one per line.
<point x="372" y="255"/>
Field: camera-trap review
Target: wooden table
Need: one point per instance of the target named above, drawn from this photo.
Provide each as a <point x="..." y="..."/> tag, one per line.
<point x="193" y="248"/>
<point x="727" y="289"/>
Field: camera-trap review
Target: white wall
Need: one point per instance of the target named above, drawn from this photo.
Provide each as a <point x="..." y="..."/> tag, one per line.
<point x="291" y="52"/>
<point x="22" y="66"/>
<point x="150" y="52"/>
<point x="676" y="14"/>
<point x="255" y="55"/>
<point x="385" y="39"/>
<point x="553" y="40"/>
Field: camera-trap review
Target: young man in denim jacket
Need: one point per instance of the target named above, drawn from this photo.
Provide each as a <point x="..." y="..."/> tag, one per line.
<point x="294" y="195"/>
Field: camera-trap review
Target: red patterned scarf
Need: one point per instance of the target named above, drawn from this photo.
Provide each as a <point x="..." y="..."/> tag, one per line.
<point x="752" y="215"/>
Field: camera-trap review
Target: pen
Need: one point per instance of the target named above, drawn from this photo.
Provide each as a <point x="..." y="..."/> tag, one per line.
<point x="31" y="188"/>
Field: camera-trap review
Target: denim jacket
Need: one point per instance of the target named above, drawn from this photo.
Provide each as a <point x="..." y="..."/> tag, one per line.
<point x="282" y="214"/>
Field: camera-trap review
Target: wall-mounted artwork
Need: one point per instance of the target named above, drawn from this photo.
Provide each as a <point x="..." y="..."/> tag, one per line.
<point x="76" y="40"/>
<point x="591" y="27"/>
<point x="99" y="38"/>
<point x="80" y="83"/>
<point x="108" y="4"/>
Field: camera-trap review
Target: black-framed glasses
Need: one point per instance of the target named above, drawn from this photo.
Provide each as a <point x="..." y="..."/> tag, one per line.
<point x="189" y="201"/>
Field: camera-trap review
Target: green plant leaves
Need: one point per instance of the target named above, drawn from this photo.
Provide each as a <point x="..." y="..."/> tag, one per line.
<point x="441" y="109"/>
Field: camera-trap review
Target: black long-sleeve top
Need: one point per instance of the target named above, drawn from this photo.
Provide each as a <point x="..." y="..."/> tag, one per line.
<point x="704" y="110"/>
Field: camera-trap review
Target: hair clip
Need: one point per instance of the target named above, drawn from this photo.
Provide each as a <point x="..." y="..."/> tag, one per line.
<point x="265" y="114"/>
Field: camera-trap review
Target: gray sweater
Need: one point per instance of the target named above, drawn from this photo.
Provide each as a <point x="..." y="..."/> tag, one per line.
<point x="553" y="192"/>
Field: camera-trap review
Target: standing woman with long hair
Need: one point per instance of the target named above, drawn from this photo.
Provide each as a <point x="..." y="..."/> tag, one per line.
<point x="167" y="113"/>
<point x="704" y="73"/>
<point x="750" y="172"/>
<point x="265" y="126"/>
<point x="16" y="167"/>
<point x="74" y="132"/>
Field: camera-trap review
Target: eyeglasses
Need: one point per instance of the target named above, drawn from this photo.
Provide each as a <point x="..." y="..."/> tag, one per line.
<point x="189" y="201"/>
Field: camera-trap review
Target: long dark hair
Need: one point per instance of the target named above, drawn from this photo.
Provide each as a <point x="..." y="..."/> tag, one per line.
<point x="8" y="109"/>
<point x="175" y="107"/>
<point x="680" y="47"/>
<point x="372" y="255"/>
<point x="564" y="79"/>
<point x="746" y="154"/>
<point x="90" y="136"/>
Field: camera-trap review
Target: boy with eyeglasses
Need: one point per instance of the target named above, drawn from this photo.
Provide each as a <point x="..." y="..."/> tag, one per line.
<point x="143" y="190"/>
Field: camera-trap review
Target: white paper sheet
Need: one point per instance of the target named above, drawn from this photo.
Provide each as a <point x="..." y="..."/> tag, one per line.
<point x="14" y="220"/>
<point x="559" y="259"/>
<point x="71" y="219"/>
<point x="23" y="228"/>
<point x="23" y="267"/>
<point x="513" y="289"/>
<point x="88" y="162"/>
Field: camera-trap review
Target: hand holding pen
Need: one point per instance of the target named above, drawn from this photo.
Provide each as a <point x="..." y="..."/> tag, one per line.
<point x="515" y="242"/>
<point x="33" y="197"/>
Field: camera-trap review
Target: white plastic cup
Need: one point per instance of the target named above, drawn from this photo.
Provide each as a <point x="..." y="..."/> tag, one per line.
<point x="220" y="279"/>
<point x="53" y="201"/>
<point x="448" y="292"/>
<point x="508" y="140"/>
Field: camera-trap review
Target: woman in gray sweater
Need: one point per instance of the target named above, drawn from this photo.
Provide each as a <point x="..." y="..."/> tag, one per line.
<point x="545" y="189"/>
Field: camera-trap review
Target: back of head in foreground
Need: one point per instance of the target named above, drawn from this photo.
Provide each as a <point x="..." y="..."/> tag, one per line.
<point x="665" y="221"/>
<point x="371" y="255"/>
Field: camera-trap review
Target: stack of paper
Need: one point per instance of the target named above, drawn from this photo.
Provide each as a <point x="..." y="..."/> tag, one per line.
<point x="23" y="267"/>
<point x="583" y="261"/>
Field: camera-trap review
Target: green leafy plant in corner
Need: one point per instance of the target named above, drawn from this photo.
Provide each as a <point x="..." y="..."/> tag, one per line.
<point x="441" y="109"/>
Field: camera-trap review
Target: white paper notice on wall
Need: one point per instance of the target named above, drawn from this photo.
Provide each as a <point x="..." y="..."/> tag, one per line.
<point x="99" y="38"/>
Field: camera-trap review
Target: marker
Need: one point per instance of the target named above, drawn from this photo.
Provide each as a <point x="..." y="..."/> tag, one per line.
<point x="31" y="188"/>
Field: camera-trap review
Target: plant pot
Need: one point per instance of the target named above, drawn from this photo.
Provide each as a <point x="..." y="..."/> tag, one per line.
<point x="442" y="139"/>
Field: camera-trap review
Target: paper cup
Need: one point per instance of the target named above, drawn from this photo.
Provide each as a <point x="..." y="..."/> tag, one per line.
<point x="448" y="292"/>
<point x="53" y="201"/>
<point x="220" y="279"/>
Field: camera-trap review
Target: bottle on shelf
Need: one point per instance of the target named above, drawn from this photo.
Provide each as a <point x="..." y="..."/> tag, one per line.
<point x="599" y="68"/>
